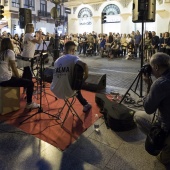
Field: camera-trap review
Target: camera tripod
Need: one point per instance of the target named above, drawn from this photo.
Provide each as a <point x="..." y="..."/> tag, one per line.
<point x="136" y="80"/>
<point x="40" y="109"/>
<point x="142" y="18"/>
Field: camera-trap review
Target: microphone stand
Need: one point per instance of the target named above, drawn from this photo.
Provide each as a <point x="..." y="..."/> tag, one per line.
<point x="40" y="109"/>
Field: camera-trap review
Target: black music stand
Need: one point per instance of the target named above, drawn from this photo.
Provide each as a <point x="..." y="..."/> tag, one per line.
<point x="40" y="109"/>
<point x="43" y="47"/>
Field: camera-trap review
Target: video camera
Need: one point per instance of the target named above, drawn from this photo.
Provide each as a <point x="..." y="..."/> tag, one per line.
<point x="146" y="69"/>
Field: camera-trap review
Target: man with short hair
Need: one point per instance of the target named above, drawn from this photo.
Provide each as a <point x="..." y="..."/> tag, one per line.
<point x="63" y="75"/>
<point x="158" y="98"/>
<point x="154" y="42"/>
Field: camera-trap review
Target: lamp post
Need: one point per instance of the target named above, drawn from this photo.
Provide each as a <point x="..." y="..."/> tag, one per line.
<point x="56" y="14"/>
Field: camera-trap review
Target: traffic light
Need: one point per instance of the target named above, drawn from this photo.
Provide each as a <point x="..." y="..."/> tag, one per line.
<point x="103" y="18"/>
<point x="14" y="27"/>
<point x="1" y="11"/>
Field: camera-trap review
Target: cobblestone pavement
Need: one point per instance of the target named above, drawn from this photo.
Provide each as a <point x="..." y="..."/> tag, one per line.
<point x="120" y="72"/>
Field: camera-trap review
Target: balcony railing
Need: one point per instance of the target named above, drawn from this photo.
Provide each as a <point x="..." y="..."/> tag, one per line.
<point x="44" y="14"/>
<point x="15" y="4"/>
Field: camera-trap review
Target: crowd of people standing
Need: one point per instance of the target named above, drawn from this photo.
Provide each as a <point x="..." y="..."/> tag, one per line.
<point x="128" y="45"/>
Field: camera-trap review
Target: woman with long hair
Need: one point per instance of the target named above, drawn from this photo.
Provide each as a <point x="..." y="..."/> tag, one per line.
<point x="9" y="76"/>
<point x="29" y="49"/>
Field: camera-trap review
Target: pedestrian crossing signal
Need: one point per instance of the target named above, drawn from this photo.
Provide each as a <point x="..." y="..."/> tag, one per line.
<point x="104" y="18"/>
<point x="1" y="11"/>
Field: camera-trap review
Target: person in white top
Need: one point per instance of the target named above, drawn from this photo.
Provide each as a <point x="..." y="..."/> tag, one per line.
<point x="29" y="49"/>
<point x="9" y="76"/>
<point x="63" y="75"/>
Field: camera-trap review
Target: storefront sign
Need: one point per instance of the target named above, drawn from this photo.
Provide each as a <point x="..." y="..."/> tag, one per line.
<point x="85" y="21"/>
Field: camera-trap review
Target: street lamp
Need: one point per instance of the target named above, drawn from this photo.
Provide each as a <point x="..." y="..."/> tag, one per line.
<point x="55" y="14"/>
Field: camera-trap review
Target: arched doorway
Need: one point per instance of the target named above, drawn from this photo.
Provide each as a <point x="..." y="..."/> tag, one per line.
<point x="85" y="20"/>
<point x="112" y="23"/>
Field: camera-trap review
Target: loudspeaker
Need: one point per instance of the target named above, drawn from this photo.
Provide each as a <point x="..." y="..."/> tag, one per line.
<point x="25" y="17"/>
<point x="143" y="11"/>
<point x="95" y="82"/>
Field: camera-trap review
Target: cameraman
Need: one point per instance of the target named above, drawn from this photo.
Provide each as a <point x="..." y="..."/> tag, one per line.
<point x="158" y="97"/>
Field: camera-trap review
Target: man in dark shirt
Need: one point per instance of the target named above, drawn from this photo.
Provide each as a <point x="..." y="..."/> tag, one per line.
<point x="154" y="42"/>
<point x="158" y="98"/>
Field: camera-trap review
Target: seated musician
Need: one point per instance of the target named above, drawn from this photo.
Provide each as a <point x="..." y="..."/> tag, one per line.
<point x="29" y="49"/>
<point x="63" y="75"/>
<point x="12" y="78"/>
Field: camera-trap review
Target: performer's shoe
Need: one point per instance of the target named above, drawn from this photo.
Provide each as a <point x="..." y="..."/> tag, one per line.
<point x="87" y="108"/>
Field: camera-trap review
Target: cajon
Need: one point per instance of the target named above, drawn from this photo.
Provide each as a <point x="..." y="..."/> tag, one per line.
<point x="9" y="99"/>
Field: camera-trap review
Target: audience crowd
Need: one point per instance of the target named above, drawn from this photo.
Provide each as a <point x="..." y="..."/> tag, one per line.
<point x="106" y="45"/>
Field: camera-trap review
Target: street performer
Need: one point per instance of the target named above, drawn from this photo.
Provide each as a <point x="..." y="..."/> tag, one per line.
<point x="9" y="76"/>
<point x="29" y="50"/>
<point x="63" y="75"/>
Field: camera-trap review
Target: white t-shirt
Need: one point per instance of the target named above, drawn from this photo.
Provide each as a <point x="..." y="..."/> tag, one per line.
<point x="28" y="46"/>
<point x="62" y="76"/>
<point x="5" y="70"/>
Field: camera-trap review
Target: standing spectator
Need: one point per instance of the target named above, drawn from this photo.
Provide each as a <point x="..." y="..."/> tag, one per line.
<point x="102" y="45"/>
<point x="162" y="45"/>
<point x="147" y="46"/>
<point x="95" y="42"/>
<point x="137" y="43"/>
<point x="110" y="38"/>
<point x="155" y="42"/>
<point x="167" y="43"/>
<point x="21" y="39"/>
<point x="123" y="44"/>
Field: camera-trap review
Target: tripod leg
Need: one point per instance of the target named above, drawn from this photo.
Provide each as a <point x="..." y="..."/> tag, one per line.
<point x="137" y="78"/>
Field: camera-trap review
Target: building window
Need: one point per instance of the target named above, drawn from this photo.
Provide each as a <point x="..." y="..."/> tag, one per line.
<point x="43" y="9"/>
<point x="43" y="6"/>
<point x="15" y="3"/>
<point x="6" y="3"/>
<point x="29" y="4"/>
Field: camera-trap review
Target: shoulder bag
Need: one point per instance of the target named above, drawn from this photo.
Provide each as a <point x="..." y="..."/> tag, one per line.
<point x="155" y="139"/>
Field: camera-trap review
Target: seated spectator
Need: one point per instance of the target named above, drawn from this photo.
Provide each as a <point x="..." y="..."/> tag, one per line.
<point x="130" y="51"/>
<point x="115" y="49"/>
<point x="90" y="50"/>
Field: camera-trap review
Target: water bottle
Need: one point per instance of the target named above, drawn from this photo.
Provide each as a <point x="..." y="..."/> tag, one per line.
<point x="96" y="124"/>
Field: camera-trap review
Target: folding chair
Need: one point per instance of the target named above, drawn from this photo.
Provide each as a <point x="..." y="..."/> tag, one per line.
<point x="68" y="102"/>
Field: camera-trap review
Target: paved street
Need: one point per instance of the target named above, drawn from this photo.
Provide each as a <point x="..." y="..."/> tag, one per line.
<point x="120" y="72"/>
